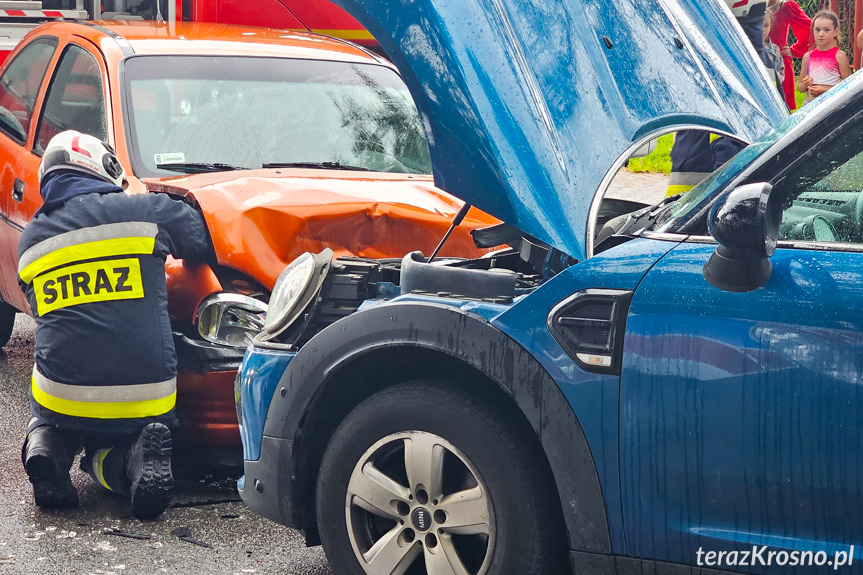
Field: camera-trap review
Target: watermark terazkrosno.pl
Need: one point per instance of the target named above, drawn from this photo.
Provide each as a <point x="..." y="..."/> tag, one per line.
<point x="762" y="555"/>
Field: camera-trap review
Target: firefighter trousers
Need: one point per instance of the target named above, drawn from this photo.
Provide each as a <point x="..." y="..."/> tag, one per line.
<point x="695" y="155"/>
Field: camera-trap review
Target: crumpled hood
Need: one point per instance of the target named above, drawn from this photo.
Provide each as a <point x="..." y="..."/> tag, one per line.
<point x="261" y="220"/>
<point x="528" y="104"/>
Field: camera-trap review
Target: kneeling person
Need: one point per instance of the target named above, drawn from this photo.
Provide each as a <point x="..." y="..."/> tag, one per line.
<point x="92" y="265"/>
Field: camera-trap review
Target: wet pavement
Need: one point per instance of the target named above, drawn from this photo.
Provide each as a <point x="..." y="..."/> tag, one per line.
<point x="79" y="542"/>
<point x="638" y="187"/>
<point x="75" y="541"/>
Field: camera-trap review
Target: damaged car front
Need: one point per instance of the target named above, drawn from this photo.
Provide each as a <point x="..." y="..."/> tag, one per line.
<point x="286" y="143"/>
<point x="603" y="390"/>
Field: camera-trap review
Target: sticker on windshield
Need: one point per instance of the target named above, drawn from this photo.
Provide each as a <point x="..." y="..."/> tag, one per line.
<point x="170" y="158"/>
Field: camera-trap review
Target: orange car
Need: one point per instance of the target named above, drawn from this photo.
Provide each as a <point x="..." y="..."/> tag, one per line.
<point x="287" y="142"/>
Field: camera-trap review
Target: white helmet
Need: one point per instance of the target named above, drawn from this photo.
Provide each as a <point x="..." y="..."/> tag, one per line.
<point x="743" y="8"/>
<point x="71" y="150"/>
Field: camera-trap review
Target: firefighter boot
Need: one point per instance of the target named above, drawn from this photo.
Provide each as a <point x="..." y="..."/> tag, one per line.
<point x="47" y="463"/>
<point x="149" y="469"/>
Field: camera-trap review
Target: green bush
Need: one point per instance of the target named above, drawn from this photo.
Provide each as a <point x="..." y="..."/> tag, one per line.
<point x="659" y="161"/>
<point x="800" y="96"/>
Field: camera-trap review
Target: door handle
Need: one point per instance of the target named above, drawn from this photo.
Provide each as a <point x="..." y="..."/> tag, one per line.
<point x="18" y="190"/>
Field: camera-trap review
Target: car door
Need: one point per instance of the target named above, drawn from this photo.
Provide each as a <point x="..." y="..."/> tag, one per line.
<point x="742" y="413"/>
<point x="74" y="100"/>
<point x="20" y="88"/>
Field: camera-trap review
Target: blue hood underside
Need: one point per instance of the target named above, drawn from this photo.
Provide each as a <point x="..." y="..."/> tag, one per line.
<point x="528" y="104"/>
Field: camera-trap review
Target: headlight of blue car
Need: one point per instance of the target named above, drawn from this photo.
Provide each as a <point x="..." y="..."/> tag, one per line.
<point x="296" y="287"/>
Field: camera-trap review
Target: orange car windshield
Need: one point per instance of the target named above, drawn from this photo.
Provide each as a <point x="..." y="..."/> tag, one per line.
<point x="190" y="114"/>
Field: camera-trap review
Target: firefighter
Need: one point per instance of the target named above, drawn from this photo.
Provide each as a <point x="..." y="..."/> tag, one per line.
<point x="695" y="153"/>
<point x="92" y="265"/>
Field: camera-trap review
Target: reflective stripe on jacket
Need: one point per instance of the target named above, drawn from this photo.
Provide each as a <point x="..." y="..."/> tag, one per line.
<point x="105" y="401"/>
<point x="680" y="182"/>
<point x="93" y="271"/>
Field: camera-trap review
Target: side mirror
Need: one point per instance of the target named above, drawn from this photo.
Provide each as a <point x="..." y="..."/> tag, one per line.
<point x="746" y="224"/>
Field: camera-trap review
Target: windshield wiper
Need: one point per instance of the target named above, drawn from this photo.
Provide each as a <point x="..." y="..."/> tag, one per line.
<point x="657" y="212"/>
<point x="199" y="168"/>
<point x="317" y="165"/>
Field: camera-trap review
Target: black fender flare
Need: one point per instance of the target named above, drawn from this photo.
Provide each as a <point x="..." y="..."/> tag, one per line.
<point x="472" y="340"/>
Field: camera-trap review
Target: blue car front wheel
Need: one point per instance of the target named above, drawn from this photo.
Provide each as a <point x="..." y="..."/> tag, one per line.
<point x="424" y="478"/>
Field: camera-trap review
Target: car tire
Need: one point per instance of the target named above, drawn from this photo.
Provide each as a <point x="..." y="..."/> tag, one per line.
<point x="490" y="507"/>
<point x="7" y="322"/>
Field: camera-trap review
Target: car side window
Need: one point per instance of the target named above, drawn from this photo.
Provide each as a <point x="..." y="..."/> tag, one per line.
<point x="19" y="87"/>
<point x="823" y="195"/>
<point x="76" y="99"/>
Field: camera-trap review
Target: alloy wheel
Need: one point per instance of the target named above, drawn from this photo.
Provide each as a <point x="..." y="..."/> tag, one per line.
<point x="415" y="504"/>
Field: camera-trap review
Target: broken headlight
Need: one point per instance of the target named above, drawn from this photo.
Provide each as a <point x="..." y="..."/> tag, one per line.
<point x="230" y="319"/>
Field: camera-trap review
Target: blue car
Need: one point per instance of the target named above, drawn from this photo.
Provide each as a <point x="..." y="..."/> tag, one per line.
<point x="612" y="388"/>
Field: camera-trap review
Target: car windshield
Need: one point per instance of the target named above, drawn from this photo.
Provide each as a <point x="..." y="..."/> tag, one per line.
<point x="192" y="114"/>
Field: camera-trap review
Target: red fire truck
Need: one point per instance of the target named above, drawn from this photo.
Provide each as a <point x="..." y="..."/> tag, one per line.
<point x="320" y="16"/>
<point x="17" y="17"/>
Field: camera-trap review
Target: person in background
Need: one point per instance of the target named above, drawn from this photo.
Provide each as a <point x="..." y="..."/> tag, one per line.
<point x="788" y="15"/>
<point x="826" y="65"/>
<point x="775" y="54"/>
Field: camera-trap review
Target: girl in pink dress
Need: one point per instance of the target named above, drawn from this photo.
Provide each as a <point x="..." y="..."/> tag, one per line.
<point x="788" y="15"/>
<point x="826" y="65"/>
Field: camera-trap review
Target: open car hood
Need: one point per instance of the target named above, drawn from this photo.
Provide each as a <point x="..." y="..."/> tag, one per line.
<point x="530" y="104"/>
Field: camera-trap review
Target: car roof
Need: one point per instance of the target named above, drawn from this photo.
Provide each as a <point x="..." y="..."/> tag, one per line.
<point x="196" y="38"/>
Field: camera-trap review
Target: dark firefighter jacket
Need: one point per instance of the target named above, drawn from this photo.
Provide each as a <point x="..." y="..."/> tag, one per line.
<point x="92" y="265"/>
